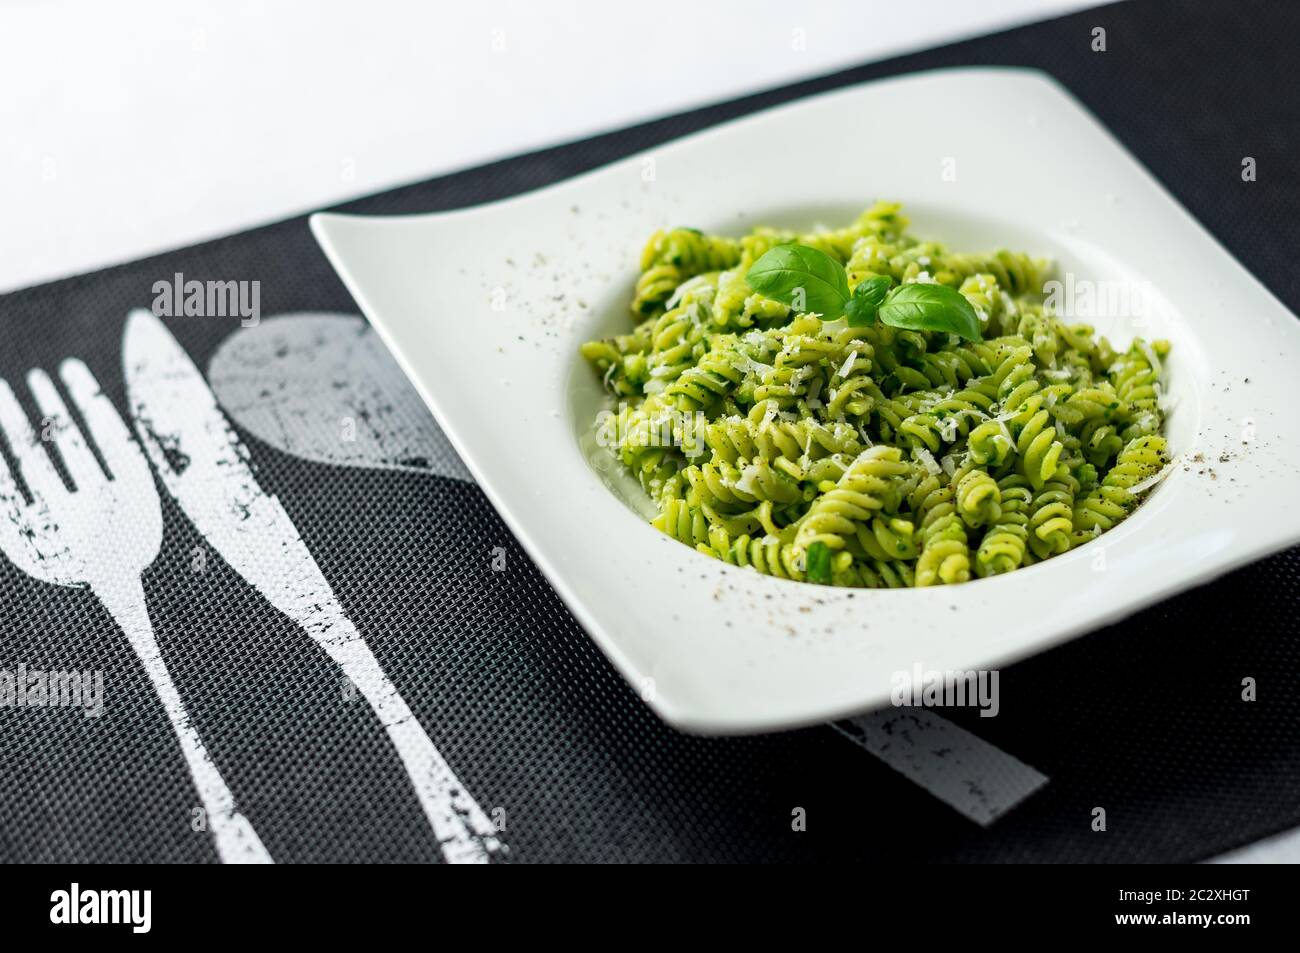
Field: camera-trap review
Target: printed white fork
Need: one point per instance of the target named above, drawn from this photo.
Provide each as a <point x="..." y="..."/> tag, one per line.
<point x="102" y="535"/>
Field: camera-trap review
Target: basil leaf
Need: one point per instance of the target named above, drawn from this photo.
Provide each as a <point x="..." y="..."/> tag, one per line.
<point x="866" y="300"/>
<point x="818" y="562"/>
<point x="803" y="278"/>
<point x="926" y="307"/>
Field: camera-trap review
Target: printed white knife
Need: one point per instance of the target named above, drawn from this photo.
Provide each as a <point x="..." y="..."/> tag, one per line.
<point x="206" y="468"/>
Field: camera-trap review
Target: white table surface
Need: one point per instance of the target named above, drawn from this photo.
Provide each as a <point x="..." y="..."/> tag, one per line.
<point x="132" y="128"/>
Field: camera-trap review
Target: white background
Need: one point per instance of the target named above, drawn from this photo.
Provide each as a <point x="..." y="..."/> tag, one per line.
<point x="128" y="128"/>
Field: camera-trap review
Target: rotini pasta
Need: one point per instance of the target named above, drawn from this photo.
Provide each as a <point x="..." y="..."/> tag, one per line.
<point x="874" y="456"/>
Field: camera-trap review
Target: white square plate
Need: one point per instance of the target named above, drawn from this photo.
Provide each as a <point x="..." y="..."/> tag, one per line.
<point x="485" y="308"/>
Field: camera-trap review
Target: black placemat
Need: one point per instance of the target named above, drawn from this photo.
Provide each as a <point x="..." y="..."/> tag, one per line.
<point x="1144" y="718"/>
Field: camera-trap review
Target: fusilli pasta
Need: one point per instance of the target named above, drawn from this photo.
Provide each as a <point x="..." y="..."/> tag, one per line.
<point x="874" y="456"/>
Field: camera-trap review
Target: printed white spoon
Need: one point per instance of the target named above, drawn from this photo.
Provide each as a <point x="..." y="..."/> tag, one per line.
<point x="322" y="387"/>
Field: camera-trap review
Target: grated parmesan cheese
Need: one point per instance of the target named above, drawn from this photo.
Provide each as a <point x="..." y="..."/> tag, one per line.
<point x="848" y="365"/>
<point x="928" y="461"/>
<point x="746" y="482"/>
<point x="1149" y="353"/>
<point x="754" y="367"/>
<point x="1152" y="480"/>
<point x="686" y="287"/>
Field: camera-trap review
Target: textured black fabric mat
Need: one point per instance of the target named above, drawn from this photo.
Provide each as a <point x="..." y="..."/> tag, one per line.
<point x="1142" y="718"/>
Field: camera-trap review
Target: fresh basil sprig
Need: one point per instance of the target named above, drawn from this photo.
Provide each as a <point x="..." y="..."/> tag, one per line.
<point x="919" y="307"/>
<point x="818" y="563"/>
<point x="868" y="296"/>
<point x="803" y="278"/>
<point x="810" y="280"/>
